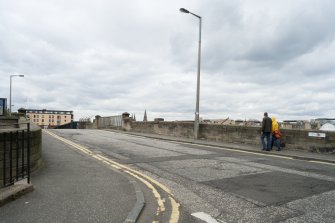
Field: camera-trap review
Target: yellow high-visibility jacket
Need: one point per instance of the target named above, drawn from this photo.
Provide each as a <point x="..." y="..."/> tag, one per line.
<point x="275" y="126"/>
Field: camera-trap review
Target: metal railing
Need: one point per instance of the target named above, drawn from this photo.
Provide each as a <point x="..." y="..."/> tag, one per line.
<point x="15" y="155"/>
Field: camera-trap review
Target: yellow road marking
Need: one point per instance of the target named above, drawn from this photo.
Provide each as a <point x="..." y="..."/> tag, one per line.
<point x="175" y="206"/>
<point x="174" y="218"/>
<point x="160" y="202"/>
<point x="175" y="211"/>
<point x="167" y="190"/>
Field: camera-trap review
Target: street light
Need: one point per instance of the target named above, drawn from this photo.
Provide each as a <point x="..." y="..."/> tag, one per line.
<point x="196" y="121"/>
<point x="10" y="91"/>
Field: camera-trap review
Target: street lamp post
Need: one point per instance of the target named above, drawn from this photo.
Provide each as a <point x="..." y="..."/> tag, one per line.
<point x="10" y="91"/>
<point x="196" y="120"/>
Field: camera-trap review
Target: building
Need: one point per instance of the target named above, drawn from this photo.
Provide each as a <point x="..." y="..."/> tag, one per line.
<point x="48" y="118"/>
<point x="323" y="121"/>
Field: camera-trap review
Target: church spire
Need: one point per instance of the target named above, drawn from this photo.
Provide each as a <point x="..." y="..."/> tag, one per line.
<point x="145" y="118"/>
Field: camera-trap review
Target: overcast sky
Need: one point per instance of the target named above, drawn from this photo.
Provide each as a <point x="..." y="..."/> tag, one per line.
<point x="105" y="57"/>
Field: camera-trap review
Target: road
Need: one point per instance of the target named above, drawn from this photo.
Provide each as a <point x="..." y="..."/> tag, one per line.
<point x="216" y="184"/>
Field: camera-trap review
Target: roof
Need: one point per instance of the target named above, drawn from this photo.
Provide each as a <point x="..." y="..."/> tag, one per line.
<point x="46" y="110"/>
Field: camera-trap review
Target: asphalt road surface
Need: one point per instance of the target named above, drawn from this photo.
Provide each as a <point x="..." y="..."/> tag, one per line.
<point x="229" y="186"/>
<point x="219" y="185"/>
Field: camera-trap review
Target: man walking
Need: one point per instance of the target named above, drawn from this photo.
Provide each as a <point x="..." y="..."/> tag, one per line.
<point x="266" y="132"/>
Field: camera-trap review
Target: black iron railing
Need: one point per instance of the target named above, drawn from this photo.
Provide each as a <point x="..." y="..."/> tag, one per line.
<point x="15" y="155"/>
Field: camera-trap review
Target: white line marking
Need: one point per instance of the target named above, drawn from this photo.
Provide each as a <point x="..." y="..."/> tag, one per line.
<point x="322" y="162"/>
<point x="205" y="217"/>
<point x="235" y="150"/>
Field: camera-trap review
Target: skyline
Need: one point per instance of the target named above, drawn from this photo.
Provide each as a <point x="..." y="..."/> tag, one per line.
<point x="109" y="57"/>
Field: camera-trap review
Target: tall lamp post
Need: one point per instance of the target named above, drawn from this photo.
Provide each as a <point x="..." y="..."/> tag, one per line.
<point x="196" y="121"/>
<point x="10" y="91"/>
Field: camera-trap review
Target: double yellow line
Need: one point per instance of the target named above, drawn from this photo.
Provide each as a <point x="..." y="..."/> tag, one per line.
<point x="146" y="180"/>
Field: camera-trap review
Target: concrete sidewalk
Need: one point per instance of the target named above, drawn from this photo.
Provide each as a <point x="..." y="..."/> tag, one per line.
<point x="15" y="191"/>
<point x="295" y="154"/>
<point x="72" y="187"/>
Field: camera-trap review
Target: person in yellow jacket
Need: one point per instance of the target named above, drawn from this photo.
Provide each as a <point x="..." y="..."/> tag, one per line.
<point x="275" y="134"/>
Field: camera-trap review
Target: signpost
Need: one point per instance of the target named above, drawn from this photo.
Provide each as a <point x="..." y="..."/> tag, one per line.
<point x="317" y="134"/>
<point x="3" y="106"/>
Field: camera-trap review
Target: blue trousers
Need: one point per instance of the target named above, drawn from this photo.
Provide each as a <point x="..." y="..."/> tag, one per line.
<point x="268" y="142"/>
<point x="275" y="142"/>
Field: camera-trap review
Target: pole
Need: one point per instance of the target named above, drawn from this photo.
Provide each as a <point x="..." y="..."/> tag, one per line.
<point x="10" y="96"/>
<point x="10" y="92"/>
<point x="196" y="122"/>
<point x="28" y="153"/>
<point x="196" y="119"/>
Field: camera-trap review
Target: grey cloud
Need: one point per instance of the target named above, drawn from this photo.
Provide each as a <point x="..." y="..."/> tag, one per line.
<point x="269" y="43"/>
<point x="109" y="57"/>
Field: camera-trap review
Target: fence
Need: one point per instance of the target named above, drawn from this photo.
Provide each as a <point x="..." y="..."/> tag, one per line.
<point x="84" y="123"/>
<point x="15" y="155"/>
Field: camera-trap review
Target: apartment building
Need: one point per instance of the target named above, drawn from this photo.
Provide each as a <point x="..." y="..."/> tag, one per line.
<point x="48" y="118"/>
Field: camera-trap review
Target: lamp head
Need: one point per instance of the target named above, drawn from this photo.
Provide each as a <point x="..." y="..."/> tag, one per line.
<point x="184" y="10"/>
<point x="16" y="75"/>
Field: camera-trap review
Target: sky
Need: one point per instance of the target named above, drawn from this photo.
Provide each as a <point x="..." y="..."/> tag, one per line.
<point x="106" y="57"/>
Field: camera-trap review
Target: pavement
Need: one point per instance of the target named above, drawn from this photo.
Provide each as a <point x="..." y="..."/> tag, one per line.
<point x="15" y="191"/>
<point x="72" y="187"/>
<point x="59" y="174"/>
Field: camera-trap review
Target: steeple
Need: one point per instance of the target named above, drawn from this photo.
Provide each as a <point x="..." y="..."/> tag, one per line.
<point x="145" y="118"/>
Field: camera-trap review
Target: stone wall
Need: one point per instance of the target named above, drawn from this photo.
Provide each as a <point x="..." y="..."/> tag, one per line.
<point x="114" y="122"/>
<point x="293" y="139"/>
<point x="178" y="129"/>
<point x="35" y="150"/>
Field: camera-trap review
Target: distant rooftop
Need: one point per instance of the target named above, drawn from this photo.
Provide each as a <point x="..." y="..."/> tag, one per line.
<point x="45" y="111"/>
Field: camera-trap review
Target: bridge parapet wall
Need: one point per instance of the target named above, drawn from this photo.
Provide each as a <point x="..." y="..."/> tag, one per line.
<point x="293" y="139"/>
<point x="35" y="149"/>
